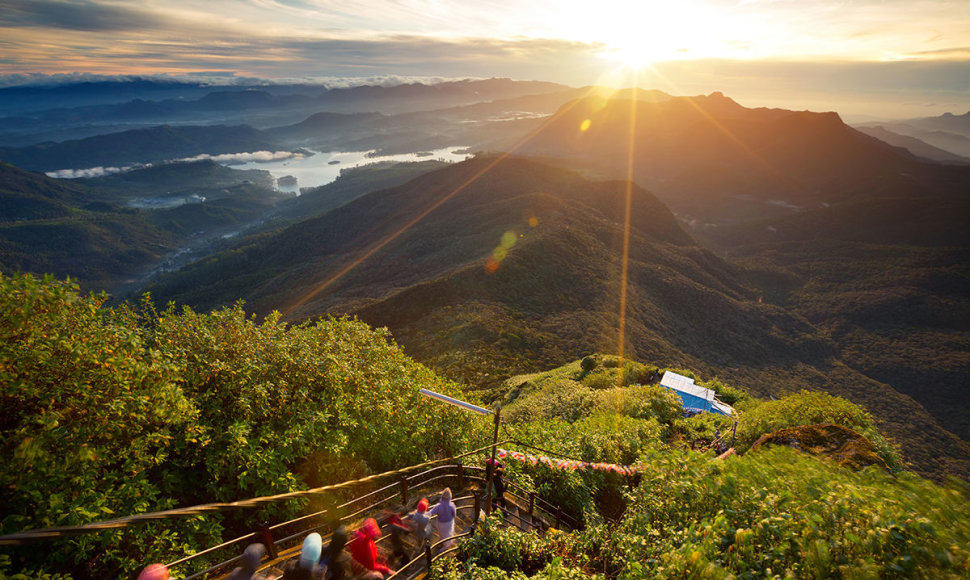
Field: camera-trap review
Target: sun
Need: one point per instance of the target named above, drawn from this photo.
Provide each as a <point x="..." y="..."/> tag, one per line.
<point x="635" y="54"/>
<point x="637" y="35"/>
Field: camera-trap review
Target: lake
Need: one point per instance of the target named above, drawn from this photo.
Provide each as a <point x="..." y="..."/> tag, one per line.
<point x="322" y="168"/>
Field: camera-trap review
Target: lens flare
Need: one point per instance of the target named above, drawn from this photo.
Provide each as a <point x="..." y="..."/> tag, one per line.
<point x="508" y="239"/>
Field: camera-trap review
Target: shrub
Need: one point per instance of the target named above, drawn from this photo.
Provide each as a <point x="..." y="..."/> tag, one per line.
<point x="602" y="378"/>
<point x="811" y="408"/>
<point x="642" y="402"/>
<point x="503" y="552"/>
<point x="564" y="399"/>
<point x="779" y="513"/>
<point x="109" y="412"/>
<point x="727" y="394"/>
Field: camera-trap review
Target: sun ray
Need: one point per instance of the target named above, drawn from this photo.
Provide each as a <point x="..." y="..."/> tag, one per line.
<point x="627" y="209"/>
<point x="397" y="233"/>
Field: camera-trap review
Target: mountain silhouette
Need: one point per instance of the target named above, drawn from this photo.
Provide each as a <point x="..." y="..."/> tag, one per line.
<point x="712" y="159"/>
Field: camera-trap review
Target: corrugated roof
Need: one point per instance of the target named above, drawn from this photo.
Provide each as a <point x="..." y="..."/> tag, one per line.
<point x="686" y="385"/>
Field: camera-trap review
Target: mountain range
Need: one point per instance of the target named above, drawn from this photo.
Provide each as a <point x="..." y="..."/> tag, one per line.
<point x="498" y="266"/>
<point x="777" y="249"/>
<point x="948" y="131"/>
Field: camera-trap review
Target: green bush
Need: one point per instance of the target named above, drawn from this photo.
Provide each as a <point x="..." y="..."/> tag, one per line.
<point x="642" y="402"/>
<point x="497" y="552"/>
<point x="699" y="431"/>
<point x="602" y="378"/>
<point x="117" y="411"/>
<point x="727" y="394"/>
<point x="564" y="399"/>
<point x="779" y="513"/>
<point x="811" y="408"/>
<point x="602" y="437"/>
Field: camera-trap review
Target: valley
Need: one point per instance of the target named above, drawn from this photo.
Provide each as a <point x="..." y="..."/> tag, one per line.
<point x="624" y="290"/>
<point x="498" y="266"/>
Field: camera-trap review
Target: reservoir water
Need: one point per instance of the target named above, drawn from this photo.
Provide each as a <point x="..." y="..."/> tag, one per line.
<point x="322" y="168"/>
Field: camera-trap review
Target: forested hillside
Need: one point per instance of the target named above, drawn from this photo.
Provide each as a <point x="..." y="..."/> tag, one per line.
<point x="118" y="411"/>
<point x="106" y="412"/>
<point x="499" y="266"/>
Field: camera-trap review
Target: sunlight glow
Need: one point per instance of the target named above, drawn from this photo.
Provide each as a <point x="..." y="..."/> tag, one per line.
<point x="637" y="34"/>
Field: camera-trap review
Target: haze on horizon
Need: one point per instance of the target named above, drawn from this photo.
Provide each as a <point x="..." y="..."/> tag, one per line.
<point x="882" y="58"/>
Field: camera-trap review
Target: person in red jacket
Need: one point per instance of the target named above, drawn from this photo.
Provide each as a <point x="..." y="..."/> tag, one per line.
<point x="363" y="550"/>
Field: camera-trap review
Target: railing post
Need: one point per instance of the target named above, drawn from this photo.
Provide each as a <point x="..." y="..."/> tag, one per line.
<point x="532" y="502"/>
<point x="478" y="506"/>
<point x="558" y="517"/>
<point x="404" y="490"/>
<point x="266" y="537"/>
<point x="427" y="554"/>
<point x="461" y="476"/>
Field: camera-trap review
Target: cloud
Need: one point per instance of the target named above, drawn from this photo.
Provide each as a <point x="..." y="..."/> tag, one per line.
<point x="258" y="156"/>
<point x="91" y="172"/>
<point x="225" y="158"/>
<point x="77" y="15"/>
<point x="225" y="79"/>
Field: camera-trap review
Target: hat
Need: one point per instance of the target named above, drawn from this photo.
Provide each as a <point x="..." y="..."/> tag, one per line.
<point x="423" y="505"/>
<point x="371" y="529"/>
<point x="310" y="553"/>
<point x="154" y="572"/>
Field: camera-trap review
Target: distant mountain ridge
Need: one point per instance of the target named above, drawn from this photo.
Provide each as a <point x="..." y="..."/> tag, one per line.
<point x="163" y="143"/>
<point x="712" y="159"/>
<point x="915" y="146"/>
<point x="948" y="131"/>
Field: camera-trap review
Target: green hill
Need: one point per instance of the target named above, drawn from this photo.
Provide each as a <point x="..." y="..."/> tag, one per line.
<point x="91" y="230"/>
<point x="117" y="411"/>
<point x="66" y="229"/>
<point x="517" y="268"/>
<point x="774" y="511"/>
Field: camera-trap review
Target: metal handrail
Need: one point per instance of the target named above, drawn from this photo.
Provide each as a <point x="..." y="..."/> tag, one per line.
<point x="417" y="559"/>
<point x="545" y="505"/>
<point x="419" y="481"/>
<point x="302" y="532"/>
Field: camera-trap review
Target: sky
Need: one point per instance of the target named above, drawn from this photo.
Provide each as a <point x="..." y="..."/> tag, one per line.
<point x="882" y="58"/>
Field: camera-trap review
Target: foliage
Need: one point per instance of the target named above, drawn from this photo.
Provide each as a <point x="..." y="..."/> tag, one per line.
<point x="115" y="411"/>
<point x="699" y="431"/>
<point x="505" y="552"/>
<point x="614" y="372"/>
<point x="601" y="437"/>
<point x="642" y="402"/>
<point x="563" y="399"/>
<point x="810" y="408"/>
<point x="727" y="394"/>
<point x="778" y="513"/>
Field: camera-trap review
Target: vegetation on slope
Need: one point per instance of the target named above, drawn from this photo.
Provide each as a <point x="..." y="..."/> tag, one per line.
<point x="117" y="411"/>
<point x="86" y="229"/>
<point x="773" y="512"/>
<point x="553" y="296"/>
